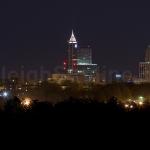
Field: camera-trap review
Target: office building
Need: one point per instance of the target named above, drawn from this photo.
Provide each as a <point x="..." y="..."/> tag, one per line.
<point x="79" y="61"/>
<point x="144" y="67"/>
<point x="71" y="64"/>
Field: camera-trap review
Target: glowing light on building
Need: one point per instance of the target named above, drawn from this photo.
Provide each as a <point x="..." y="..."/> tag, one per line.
<point x="76" y="46"/>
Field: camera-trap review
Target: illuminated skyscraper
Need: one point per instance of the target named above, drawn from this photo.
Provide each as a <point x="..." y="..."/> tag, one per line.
<point x="72" y="55"/>
<point x="79" y="61"/>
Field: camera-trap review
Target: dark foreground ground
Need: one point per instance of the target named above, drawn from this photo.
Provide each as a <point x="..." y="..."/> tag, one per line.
<point x="73" y="121"/>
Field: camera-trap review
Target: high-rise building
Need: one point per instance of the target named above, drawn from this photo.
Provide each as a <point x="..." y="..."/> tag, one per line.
<point x="79" y="61"/>
<point x="85" y="55"/>
<point x="85" y="65"/>
<point x="144" y="71"/>
<point x="72" y="55"/>
<point x="78" y="66"/>
<point x="144" y="67"/>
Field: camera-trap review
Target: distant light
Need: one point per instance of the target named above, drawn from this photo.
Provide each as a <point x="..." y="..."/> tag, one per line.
<point x="141" y="103"/>
<point x="79" y="71"/>
<point x="40" y="81"/>
<point x="131" y="106"/>
<point x="118" y="75"/>
<point x="76" y="46"/>
<point x="5" y="94"/>
<point x="26" y="102"/>
<point x="141" y="98"/>
<point x="63" y="87"/>
<point x="72" y="42"/>
<point x="86" y="64"/>
<point x="126" y="106"/>
<point x="70" y="70"/>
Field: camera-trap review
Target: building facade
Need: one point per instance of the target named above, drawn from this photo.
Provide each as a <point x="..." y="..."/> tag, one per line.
<point x="72" y="55"/>
<point x="79" y="61"/>
<point x="144" y="67"/>
<point x="147" y="54"/>
<point x="85" y="55"/>
<point x="144" y="71"/>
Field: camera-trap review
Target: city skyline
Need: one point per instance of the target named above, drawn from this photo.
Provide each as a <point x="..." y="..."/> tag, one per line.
<point x="118" y="33"/>
<point x="84" y="57"/>
<point x="78" y="63"/>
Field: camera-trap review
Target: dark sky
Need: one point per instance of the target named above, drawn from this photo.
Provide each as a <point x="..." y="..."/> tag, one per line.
<point x="34" y="33"/>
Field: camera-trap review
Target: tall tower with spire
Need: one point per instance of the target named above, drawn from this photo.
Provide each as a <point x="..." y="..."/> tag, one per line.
<point x="78" y="65"/>
<point x="72" y="54"/>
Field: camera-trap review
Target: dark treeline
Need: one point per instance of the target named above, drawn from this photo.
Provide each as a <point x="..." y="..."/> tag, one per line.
<point x="15" y="106"/>
<point x="55" y="92"/>
<point x="73" y="98"/>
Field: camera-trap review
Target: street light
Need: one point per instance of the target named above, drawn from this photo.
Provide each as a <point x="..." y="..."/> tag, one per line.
<point x="140" y="103"/>
<point x="141" y="98"/>
<point x="126" y="106"/>
<point x="131" y="106"/>
<point x="5" y="94"/>
<point x="26" y="102"/>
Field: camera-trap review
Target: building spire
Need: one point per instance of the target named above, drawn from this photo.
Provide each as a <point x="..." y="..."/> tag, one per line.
<point x="72" y="39"/>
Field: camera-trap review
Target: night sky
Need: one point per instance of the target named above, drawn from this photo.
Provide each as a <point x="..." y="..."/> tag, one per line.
<point x="34" y="33"/>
